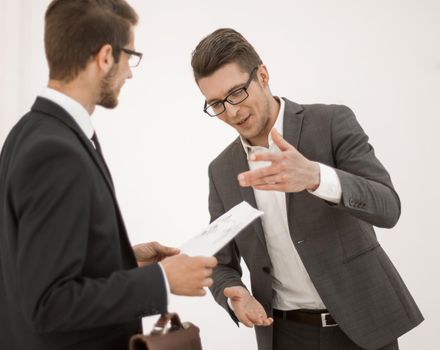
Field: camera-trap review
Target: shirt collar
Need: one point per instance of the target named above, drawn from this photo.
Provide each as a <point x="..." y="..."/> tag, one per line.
<point x="278" y="126"/>
<point x="74" y="108"/>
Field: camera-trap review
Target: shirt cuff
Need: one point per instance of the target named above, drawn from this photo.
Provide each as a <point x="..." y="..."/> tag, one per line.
<point x="329" y="187"/>
<point x="167" y="286"/>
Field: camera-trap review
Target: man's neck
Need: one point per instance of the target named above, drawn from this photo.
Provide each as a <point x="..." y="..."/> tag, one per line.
<point x="76" y="91"/>
<point x="274" y="109"/>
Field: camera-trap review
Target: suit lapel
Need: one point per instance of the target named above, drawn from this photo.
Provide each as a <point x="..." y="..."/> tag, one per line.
<point x="247" y="193"/>
<point x="52" y="109"/>
<point x="292" y="124"/>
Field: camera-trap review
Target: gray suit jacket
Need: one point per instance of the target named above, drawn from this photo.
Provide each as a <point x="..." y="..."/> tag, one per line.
<point x="337" y="243"/>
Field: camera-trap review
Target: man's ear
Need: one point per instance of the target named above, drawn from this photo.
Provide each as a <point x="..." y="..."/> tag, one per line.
<point x="263" y="75"/>
<point x="104" y="58"/>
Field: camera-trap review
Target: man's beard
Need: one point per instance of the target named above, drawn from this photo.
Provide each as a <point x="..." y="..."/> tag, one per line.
<point x="262" y="124"/>
<point x="108" y="97"/>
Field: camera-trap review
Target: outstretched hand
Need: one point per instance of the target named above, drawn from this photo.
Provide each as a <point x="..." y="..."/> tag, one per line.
<point x="153" y="252"/>
<point x="247" y="309"/>
<point x="290" y="171"/>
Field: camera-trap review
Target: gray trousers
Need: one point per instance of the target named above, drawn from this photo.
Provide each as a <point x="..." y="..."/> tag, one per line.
<point x="290" y="335"/>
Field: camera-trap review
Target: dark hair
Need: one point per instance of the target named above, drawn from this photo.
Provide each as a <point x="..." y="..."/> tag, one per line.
<point x="221" y="47"/>
<point x="75" y="30"/>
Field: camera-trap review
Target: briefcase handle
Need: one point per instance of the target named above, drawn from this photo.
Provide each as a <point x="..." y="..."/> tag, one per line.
<point x="162" y="322"/>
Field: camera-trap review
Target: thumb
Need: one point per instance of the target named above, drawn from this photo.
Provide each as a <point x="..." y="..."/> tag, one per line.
<point x="282" y="144"/>
<point x="165" y="250"/>
<point x="229" y="292"/>
<point x="233" y="292"/>
<point x="171" y="250"/>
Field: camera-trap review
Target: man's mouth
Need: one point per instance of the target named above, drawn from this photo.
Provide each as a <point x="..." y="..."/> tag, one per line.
<point x="244" y="120"/>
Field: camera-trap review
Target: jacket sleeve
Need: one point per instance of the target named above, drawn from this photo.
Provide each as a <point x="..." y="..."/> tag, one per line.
<point x="228" y="271"/>
<point x="367" y="190"/>
<point x="51" y="193"/>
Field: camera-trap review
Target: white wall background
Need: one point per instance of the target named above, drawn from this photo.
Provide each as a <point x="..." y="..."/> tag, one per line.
<point x="380" y="57"/>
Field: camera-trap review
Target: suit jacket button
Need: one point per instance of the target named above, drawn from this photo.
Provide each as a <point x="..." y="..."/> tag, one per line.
<point x="266" y="269"/>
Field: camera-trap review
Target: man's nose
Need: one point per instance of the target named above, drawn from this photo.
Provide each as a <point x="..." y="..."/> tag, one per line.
<point x="232" y="110"/>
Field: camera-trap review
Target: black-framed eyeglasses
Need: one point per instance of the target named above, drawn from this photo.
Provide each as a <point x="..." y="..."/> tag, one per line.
<point x="234" y="98"/>
<point x="134" y="57"/>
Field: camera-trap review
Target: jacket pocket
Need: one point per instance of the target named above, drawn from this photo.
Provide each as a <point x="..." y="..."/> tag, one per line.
<point x="360" y="252"/>
<point x="356" y="239"/>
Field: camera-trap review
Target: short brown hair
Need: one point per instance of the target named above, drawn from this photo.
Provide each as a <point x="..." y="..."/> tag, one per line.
<point x="223" y="46"/>
<point x="75" y="30"/>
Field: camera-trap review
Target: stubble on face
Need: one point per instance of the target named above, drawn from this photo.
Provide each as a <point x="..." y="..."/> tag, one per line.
<point x="108" y="95"/>
<point x="258" y="131"/>
<point x="253" y="117"/>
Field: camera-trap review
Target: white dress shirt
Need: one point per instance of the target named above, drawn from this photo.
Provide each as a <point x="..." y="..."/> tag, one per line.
<point x="73" y="107"/>
<point x="82" y="118"/>
<point x="291" y="283"/>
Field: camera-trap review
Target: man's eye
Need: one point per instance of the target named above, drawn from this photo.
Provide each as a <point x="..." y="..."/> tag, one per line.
<point x="236" y="93"/>
<point x="217" y="106"/>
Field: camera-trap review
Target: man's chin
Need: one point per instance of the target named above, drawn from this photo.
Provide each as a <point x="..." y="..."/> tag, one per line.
<point x="246" y="135"/>
<point x="109" y="104"/>
<point x="250" y="135"/>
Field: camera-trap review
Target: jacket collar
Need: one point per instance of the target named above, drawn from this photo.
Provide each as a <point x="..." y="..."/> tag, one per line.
<point x="45" y="106"/>
<point x="292" y="125"/>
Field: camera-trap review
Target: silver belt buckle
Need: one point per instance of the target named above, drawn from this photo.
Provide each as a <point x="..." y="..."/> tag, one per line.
<point x="324" y="320"/>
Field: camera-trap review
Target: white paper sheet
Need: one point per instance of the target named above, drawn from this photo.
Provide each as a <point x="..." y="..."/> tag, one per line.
<point x="221" y="231"/>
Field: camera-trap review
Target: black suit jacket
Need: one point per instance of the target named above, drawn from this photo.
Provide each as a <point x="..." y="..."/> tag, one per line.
<point x="337" y="243"/>
<point x="68" y="275"/>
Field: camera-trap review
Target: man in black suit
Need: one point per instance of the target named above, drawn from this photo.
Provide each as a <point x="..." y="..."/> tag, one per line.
<point x="69" y="278"/>
<point x="319" y="277"/>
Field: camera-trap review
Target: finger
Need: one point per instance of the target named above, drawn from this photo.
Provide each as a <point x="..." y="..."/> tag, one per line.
<point x="266" y="157"/>
<point x="255" y="318"/>
<point x="209" y="261"/>
<point x="268" y="321"/>
<point x="251" y="177"/>
<point x="164" y="250"/>
<point x="155" y="245"/>
<point x="271" y="180"/>
<point x="149" y="250"/>
<point x="230" y="292"/>
<point x="256" y="313"/>
<point x="277" y="179"/>
<point x="282" y="144"/>
<point x="207" y="273"/>
<point x="168" y="251"/>
<point x="200" y="292"/>
<point x="267" y="180"/>
<point x="195" y="292"/>
<point x="245" y="320"/>
<point x="233" y="292"/>
<point x="260" y="172"/>
<point x="208" y="282"/>
<point x="281" y="187"/>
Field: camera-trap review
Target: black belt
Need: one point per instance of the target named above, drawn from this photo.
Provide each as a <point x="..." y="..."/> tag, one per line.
<point x="311" y="317"/>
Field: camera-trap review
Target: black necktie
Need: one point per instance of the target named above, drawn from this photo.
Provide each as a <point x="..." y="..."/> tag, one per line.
<point x="97" y="144"/>
<point x="99" y="150"/>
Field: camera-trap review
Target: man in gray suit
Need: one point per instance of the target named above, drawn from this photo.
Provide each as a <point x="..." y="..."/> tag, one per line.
<point x="319" y="277"/>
